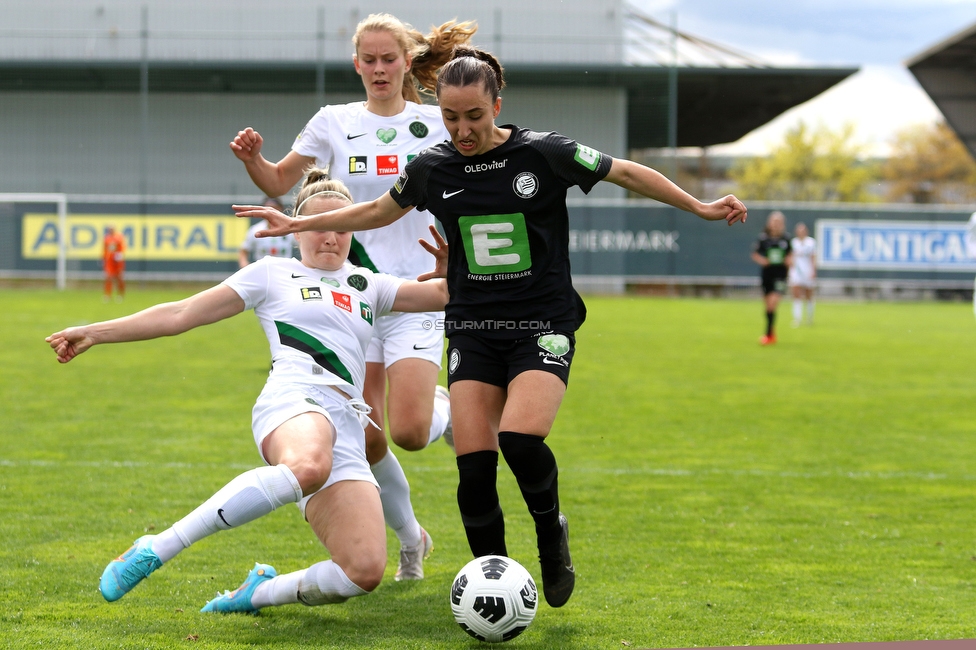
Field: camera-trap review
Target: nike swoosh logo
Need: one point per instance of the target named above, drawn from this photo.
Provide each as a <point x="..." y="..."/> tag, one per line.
<point x="350" y="136"/>
<point x="425" y="347"/>
<point x="220" y="513"/>
<point x="553" y="363"/>
<point x="298" y="276"/>
<point x="447" y="195"/>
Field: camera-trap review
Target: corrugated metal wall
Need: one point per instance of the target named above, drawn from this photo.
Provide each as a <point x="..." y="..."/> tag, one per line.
<point x="91" y="143"/>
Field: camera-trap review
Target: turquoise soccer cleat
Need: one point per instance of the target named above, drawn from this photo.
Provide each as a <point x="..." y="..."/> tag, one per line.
<point x="127" y="570"/>
<point x="239" y="600"/>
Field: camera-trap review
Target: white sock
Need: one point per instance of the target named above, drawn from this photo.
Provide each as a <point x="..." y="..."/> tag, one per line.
<point x="797" y="311"/>
<point x="323" y="583"/>
<point x="280" y="590"/>
<point x="395" y="496"/>
<point x="438" y="423"/>
<point x="810" y="304"/>
<point x="253" y="494"/>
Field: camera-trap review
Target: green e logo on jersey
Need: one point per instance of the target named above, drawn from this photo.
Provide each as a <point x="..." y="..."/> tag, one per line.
<point x="587" y="157"/>
<point x="496" y="243"/>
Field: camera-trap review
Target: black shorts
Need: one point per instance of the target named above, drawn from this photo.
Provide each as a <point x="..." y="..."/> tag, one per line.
<point x="774" y="280"/>
<point x="499" y="361"/>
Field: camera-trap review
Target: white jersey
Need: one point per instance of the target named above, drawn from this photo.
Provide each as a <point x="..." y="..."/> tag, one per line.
<point x="318" y="323"/>
<point x="804" y="253"/>
<point x="267" y="246"/>
<point x="368" y="152"/>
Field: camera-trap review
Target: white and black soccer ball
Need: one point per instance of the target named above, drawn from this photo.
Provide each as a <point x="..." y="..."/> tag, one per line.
<point x="494" y="598"/>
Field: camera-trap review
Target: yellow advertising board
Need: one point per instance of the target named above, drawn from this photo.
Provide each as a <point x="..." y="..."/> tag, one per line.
<point x="193" y="237"/>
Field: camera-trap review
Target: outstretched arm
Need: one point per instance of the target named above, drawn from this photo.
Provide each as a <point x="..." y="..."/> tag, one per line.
<point x="352" y="218"/>
<point x="654" y="185"/>
<point x="167" y="319"/>
<point x="274" y="179"/>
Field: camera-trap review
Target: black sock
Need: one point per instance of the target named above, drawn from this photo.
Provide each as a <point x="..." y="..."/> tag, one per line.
<point x="534" y="467"/>
<point x="477" y="498"/>
<point x="770" y="320"/>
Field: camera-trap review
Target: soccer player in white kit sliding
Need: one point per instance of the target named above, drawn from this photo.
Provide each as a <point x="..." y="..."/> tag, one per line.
<point x="318" y="315"/>
<point x="803" y="274"/>
<point x="367" y="145"/>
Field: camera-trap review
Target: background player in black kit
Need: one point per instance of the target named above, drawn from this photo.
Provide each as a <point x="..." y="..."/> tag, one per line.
<point x="500" y="195"/>
<point x="772" y="253"/>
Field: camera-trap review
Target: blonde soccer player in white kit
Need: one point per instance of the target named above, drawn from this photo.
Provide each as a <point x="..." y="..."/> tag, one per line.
<point x="318" y="315"/>
<point x="803" y="274"/>
<point x="367" y="145"/>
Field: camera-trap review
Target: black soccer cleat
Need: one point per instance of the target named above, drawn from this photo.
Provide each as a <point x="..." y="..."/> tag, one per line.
<point x="558" y="574"/>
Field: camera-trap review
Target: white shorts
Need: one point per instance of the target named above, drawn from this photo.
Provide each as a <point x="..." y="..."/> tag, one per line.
<point x="279" y="402"/>
<point x="797" y="279"/>
<point x="400" y="335"/>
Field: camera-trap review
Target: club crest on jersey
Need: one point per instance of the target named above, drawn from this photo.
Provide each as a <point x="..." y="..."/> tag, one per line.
<point x="366" y="312"/>
<point x="357" y="282"/>
<point x="311" y="293"/>
<point x="386" y="136"/>
<point x="387" y="165"/>
<point x="342" y="301"/>
<point x="357" y="165"/>
<point x="525" y="185"/>
<point x="419" y="129"/>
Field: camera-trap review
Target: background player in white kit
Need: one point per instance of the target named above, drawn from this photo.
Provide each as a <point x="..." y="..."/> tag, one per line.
<point x="803" y="274"/>
<point x="367" y="145"/>
<point x="318" y="316"/>
<point x="252" y="249"/>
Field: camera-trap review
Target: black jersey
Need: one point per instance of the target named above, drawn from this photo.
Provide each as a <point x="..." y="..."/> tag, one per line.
<point x="775" y="250"/>
<point x="504" y="215"/>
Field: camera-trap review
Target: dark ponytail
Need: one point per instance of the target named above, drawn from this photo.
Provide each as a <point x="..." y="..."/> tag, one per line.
<point x="469" y="66"/>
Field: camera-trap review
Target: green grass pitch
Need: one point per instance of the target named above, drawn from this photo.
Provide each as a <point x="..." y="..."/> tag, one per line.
<point x="719" y="493"/>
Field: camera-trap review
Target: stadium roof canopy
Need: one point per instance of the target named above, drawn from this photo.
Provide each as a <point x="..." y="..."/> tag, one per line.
<point x="715" y="104"/>
<point x="947" y="72"/>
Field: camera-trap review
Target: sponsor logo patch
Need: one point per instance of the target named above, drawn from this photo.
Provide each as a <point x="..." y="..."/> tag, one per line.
<point x="586" y="156"/>
<point x="401" y="182"/>
<point x="386" y="136"/>
<point x="366" y="312"/>
<point x="556" y="344"/>
<point x="342" y="301"/>
<point x="454" y="362"/>
<point x="357" y="165"/>
<point x="311" y="293"/>
<point x="330" y="282"/>
<point x="387" y="165"/>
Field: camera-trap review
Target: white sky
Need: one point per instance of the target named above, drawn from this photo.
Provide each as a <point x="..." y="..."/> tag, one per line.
<point x="877" y="36"/>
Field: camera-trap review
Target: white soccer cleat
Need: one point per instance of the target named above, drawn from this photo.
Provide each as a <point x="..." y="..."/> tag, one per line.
<point x="411" y="565"/>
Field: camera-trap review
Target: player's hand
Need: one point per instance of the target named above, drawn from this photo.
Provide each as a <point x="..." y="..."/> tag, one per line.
<point x="279" y="223"/>
<point x="247" y="145"/>
<point x="729" y="208"/>
<point x="69" y="343"/>
<point x="439" y="250"/>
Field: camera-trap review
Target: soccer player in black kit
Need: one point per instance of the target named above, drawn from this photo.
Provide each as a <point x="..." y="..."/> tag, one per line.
<point x="772" y="253"/>
<point x="500" y="195"/>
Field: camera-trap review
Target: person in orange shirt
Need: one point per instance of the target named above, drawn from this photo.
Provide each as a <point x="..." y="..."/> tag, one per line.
<point x="113" y="261"/>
